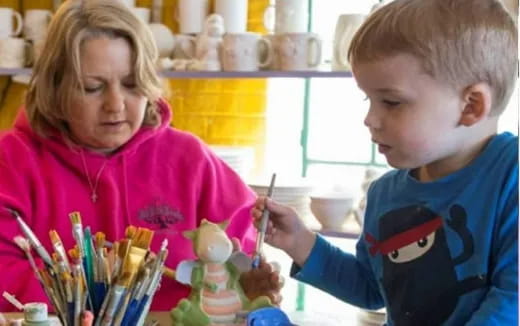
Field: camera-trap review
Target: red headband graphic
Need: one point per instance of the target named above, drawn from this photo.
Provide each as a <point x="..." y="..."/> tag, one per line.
<point x="404" y="238"/>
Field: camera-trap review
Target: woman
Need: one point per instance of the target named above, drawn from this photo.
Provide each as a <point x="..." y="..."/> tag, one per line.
<point x="95" y="138"/>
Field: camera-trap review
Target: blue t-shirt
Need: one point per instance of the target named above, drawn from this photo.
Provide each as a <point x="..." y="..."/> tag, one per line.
<point x="434" y="253"/>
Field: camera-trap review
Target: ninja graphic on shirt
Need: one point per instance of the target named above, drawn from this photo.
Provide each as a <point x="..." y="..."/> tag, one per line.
<point x="419" y="275"/>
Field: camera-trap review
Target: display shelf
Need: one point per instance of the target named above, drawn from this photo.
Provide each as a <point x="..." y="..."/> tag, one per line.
<point x="350" y="230"/>
<point x="339" y="234"/>
<point x="256" y="74"/>
<point x="221" y="74"/>
<point x="14" y="71"/>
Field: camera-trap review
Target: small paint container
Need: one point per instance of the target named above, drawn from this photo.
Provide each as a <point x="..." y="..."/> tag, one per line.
<point x="35" y="314"/>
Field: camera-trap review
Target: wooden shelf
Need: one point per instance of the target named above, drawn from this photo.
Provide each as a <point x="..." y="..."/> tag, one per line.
<point x="221" y="74"/>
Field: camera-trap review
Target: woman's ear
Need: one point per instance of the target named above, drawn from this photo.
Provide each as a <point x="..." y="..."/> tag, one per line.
<point x="477" y="104"/>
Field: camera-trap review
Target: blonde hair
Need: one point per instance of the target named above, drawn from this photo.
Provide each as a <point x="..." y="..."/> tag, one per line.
<point x="460" y="42"/>
<point x="57" y="74"/>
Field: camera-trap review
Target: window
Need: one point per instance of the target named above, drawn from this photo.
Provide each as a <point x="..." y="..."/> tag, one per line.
<point x="335" y="116"/>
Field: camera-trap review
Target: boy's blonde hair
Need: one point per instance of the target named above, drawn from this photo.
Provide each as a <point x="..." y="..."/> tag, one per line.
<point x="57" y="73"/>
<point x="461" y="42"/>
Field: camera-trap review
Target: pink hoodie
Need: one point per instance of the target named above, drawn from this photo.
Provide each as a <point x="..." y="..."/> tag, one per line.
<point x="162" y="179"/>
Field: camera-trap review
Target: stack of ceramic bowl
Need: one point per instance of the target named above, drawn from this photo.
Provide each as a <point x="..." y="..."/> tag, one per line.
<point x="294" y="193"/>
<point x="239" y="158"/>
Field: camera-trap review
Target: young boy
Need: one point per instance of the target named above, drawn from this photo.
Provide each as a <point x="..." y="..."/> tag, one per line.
<point x="439" y="242"/>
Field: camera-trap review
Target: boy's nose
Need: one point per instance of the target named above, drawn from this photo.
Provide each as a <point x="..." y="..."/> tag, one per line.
<point x="371" y="120"/>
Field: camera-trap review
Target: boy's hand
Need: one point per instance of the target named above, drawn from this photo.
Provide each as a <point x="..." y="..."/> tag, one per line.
<point x="264" y="280"/>
<point x="285" y="230"/>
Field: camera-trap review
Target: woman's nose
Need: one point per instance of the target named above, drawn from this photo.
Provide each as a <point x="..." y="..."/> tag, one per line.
<point x="114" y="100"/>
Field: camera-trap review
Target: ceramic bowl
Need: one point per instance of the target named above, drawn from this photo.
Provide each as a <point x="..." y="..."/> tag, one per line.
<point x="331" y="211"/>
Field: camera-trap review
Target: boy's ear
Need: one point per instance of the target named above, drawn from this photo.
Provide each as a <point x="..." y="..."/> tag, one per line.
<point x="477" y="104"/>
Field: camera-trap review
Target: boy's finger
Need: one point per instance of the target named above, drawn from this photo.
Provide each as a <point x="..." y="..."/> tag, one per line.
<point x="277" y="208"/>
<point x="260" y="202"/>
<point x="254" y="212"/>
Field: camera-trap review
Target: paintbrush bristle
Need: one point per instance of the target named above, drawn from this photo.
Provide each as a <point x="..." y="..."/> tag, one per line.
<point x="143" y="238"/>
<point x="74" y="253"/>
<point x="75" y="217"/>
<point x="55" y="238"/>
<point x="99" y="239"/>
<point x="130" y="232"/>
<point x="23" y="243"/>
<point x="124" y="246"/>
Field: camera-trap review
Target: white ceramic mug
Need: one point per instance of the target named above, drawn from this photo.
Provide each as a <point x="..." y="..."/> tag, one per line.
<point x="13" y="52"/>
<point x="185" y="46"/>
<point x="6" y="22"/>
<point x="142" y="13"/>
<point x="274" y="64"/>
<point x="291" y="16"/>
<point x="234" y="13"/>
<point x="298" y="51"/>
<point x="346" y="27"/>
<point x="243" y="52"/>
<point x="36" y="22"/>
<point x="191" y="15"/>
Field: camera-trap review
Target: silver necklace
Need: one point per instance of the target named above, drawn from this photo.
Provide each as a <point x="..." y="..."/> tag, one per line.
<point x="93" y="186"/>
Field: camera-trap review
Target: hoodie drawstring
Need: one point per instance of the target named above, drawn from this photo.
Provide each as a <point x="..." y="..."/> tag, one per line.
<point x="125" y="190"/>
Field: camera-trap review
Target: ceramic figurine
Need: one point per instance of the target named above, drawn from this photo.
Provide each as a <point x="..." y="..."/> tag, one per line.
<point x="216" y="295"/>
<point x="209" y="42"/>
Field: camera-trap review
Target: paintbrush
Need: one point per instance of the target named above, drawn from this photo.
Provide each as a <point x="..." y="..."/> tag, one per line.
<point x="59" y="248"/>
<point x="35" y="243"/>
<point x="263" y="226"/>
<point x="12" y="300"/>
<point x="24" y="244"/>
<point x="117" y="294"/>
<point x="77" y="233"/>
<point x="155" y="278"/>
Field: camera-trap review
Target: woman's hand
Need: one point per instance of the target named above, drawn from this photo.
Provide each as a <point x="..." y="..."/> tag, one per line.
<point x="264" y="280"/>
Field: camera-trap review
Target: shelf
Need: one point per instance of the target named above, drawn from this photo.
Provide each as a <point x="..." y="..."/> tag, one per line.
<point x="350" y="230"/>
<point x="14" y="71"/>
<point x="221" y="74"/>
<point x="256" y="74"/>
<point x="339" y="234"/>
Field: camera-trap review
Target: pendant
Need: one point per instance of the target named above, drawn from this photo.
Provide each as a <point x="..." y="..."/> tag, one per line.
<point x="93" y="197"/>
